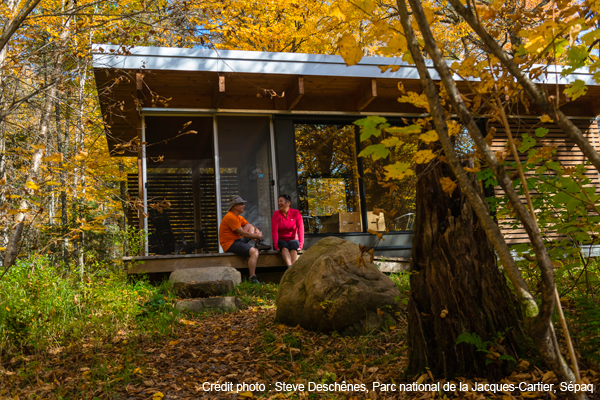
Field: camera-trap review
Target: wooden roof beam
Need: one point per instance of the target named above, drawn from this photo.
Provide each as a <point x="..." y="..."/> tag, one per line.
<point x="219" y="92"/>
<point x="366" y="93"/>
<point x="294" y="93"/>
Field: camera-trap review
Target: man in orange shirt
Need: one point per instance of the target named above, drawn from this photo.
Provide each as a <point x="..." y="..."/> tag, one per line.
<point x="235" y="233"/>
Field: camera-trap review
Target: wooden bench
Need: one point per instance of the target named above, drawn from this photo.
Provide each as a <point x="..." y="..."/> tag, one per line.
<point x="169" y="263"/>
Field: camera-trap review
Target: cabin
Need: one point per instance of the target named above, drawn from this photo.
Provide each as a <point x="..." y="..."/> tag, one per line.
<point x="206" y="125"/>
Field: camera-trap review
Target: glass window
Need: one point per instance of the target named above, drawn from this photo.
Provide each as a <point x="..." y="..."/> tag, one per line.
<point x="245" y="167"/>
<point x="396" y="197"/>
<point x="328" y="178"/>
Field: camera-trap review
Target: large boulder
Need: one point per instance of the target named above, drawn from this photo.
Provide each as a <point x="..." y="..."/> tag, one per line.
<point x="191" y="275"/>
<point x="327" y="289"/>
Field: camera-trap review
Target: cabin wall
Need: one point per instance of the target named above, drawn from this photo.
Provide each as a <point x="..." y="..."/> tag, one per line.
<point x="568" y="153"/>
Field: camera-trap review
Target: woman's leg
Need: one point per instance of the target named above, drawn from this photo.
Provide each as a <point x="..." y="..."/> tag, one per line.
<point x="293" y="255"/>
<point x="285" y="254"/>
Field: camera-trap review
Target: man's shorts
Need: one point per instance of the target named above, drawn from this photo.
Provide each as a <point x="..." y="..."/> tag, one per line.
<point x="291" y="245"/>
<point x="240" y="247"/>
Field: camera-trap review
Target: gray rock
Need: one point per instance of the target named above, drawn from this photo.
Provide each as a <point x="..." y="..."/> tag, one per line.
<point x="190" y="290"/>
<point x="191" y="275"/>
<point x="327" y="289"/>
<point x="201" y="305"/>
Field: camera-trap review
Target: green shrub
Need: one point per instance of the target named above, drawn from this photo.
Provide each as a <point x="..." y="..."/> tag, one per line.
<point x="42" y="307"/>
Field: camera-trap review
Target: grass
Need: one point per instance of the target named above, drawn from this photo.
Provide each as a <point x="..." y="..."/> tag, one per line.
<point x="42" y="309"/>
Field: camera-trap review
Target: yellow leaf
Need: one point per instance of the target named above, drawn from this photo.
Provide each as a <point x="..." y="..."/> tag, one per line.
<point x="246" y="394"/>
<point x="374" y="232"/>
<point x="367" y="5"/>
<point x="384" y="68"/>
<point x="38" y="147"/>
<point x="399" y="170"/>
<point x="476" y="169"/>
<point x="546" y="118"/>
<point x="429" y="136"/>
<point x="448" y="185"/>
<point x="429" y="15"/>
<point x="137" y="371"/>
<point x="7" y="309"/>
<point x="173" y="342"/>
<point x="157" y="396"/>
<point x="57" y="157"/>
<point x="349" y="49"/>
<point x="31" y="185"/>
<point x="186" y="322"/>
<point x="337" y="12"/>
<point x="421" y="379"/>
<point x="423" y="156"/>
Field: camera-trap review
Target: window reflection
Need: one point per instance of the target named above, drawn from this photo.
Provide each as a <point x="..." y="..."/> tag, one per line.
<point x="328" y="178"/>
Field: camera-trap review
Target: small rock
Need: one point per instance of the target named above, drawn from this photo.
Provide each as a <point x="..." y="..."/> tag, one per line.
<point x="201" y="305"/>
<point x="206" y="274"/>
<point x="190" y="290"/>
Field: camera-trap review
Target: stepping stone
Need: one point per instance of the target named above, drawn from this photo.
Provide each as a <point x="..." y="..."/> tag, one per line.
<point x="201" y="305"/>
<point x="189" y="290"/>
<point x="206" y="274"/>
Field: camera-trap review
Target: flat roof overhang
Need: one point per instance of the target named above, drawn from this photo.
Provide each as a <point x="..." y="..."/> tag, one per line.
<point x="151" y="81"/>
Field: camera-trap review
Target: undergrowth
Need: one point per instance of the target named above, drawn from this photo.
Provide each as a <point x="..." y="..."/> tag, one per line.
<point x="42" y="307"/>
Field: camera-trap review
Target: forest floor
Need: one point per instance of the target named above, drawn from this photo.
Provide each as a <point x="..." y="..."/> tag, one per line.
<point x="247" y="347"/>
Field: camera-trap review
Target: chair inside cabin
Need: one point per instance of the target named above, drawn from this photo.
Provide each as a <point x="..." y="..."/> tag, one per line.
<point x="162" y="238"/>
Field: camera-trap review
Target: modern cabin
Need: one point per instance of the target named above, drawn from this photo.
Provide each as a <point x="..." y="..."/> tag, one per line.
<point x="206" y="125"/>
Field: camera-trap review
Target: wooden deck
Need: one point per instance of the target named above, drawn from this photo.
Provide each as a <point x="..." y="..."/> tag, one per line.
<point x="169" y="263"/>
<point x="267" y="259"/>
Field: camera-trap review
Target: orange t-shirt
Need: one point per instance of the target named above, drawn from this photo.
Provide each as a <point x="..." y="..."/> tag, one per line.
<point x="227" y="233"/>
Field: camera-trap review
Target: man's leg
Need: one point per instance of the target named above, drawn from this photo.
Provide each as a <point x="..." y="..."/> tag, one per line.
<point x="252" y="261"/>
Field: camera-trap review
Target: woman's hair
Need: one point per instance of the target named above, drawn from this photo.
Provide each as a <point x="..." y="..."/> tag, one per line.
<point x="287" y="197"/>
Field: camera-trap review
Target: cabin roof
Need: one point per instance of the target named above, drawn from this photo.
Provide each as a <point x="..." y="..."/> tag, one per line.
<point x="158" y="80"/>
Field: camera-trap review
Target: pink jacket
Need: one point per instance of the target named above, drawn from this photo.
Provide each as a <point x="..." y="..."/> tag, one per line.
<point x="287" y="228"/>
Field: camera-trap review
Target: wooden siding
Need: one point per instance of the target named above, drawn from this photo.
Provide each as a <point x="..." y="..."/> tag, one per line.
<point x="189" y="210"/>
<point x="568" y="153"/>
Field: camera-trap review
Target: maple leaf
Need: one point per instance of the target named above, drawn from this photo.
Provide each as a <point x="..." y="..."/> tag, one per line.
<point x="429" y="136"/>
<point x="573" y="91"/>
<point x="423" y="156"/>
<point x="398" y="170"/>
<point x="349" y="49"/>
<point x="376" y="151"/>
<point x="448" y="185"/>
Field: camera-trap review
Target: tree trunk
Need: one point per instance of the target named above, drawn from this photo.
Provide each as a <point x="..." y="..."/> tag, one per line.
<point x="454" y="269"/>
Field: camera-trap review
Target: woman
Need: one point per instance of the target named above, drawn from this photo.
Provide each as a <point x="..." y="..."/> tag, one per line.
<point x="287" y="229"/>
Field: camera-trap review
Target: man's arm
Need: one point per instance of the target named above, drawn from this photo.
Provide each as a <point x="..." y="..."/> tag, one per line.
<point x="247" y="234"/>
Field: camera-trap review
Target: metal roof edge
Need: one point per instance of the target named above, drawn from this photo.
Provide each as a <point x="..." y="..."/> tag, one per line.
<point x="241" y="61"/>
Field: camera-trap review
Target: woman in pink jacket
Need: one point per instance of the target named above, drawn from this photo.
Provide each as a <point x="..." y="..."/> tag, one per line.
<point x="287" y="229"/>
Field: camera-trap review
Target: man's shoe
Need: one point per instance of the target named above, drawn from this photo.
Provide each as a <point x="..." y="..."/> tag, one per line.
<point x="254" y="279"/>
<point x="260" y="245"/>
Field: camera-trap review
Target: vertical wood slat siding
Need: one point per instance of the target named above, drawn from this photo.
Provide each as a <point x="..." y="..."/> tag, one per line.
<point x="177" y="188"/>
<point x="568" y="153"/>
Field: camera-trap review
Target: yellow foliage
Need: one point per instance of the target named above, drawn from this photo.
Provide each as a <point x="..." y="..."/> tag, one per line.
<point x="448" y="185"/>
<point x="349" y="49"/>
<point x="429" y="136"/>
<point x="423" y="156"/>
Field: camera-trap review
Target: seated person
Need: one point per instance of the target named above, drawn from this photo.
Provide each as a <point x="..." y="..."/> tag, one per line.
<point x="235" y="233"/>
<point x="287" y="229"/>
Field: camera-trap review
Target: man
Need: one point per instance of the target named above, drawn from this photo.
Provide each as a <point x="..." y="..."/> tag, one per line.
<point x="235" y="233"/>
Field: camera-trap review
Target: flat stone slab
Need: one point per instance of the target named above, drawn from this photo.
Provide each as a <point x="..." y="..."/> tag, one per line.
<point x="206" y="274"/>
<point x="190" y="290"/>
<point x="201" y="305"/>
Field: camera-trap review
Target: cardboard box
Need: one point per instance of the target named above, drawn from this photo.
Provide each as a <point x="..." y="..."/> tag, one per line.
<point x="376" y="222"/>
<point x="342" y="222"/>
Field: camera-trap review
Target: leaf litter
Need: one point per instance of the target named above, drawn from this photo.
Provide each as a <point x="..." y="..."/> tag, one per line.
<point x="248" y="346"/>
